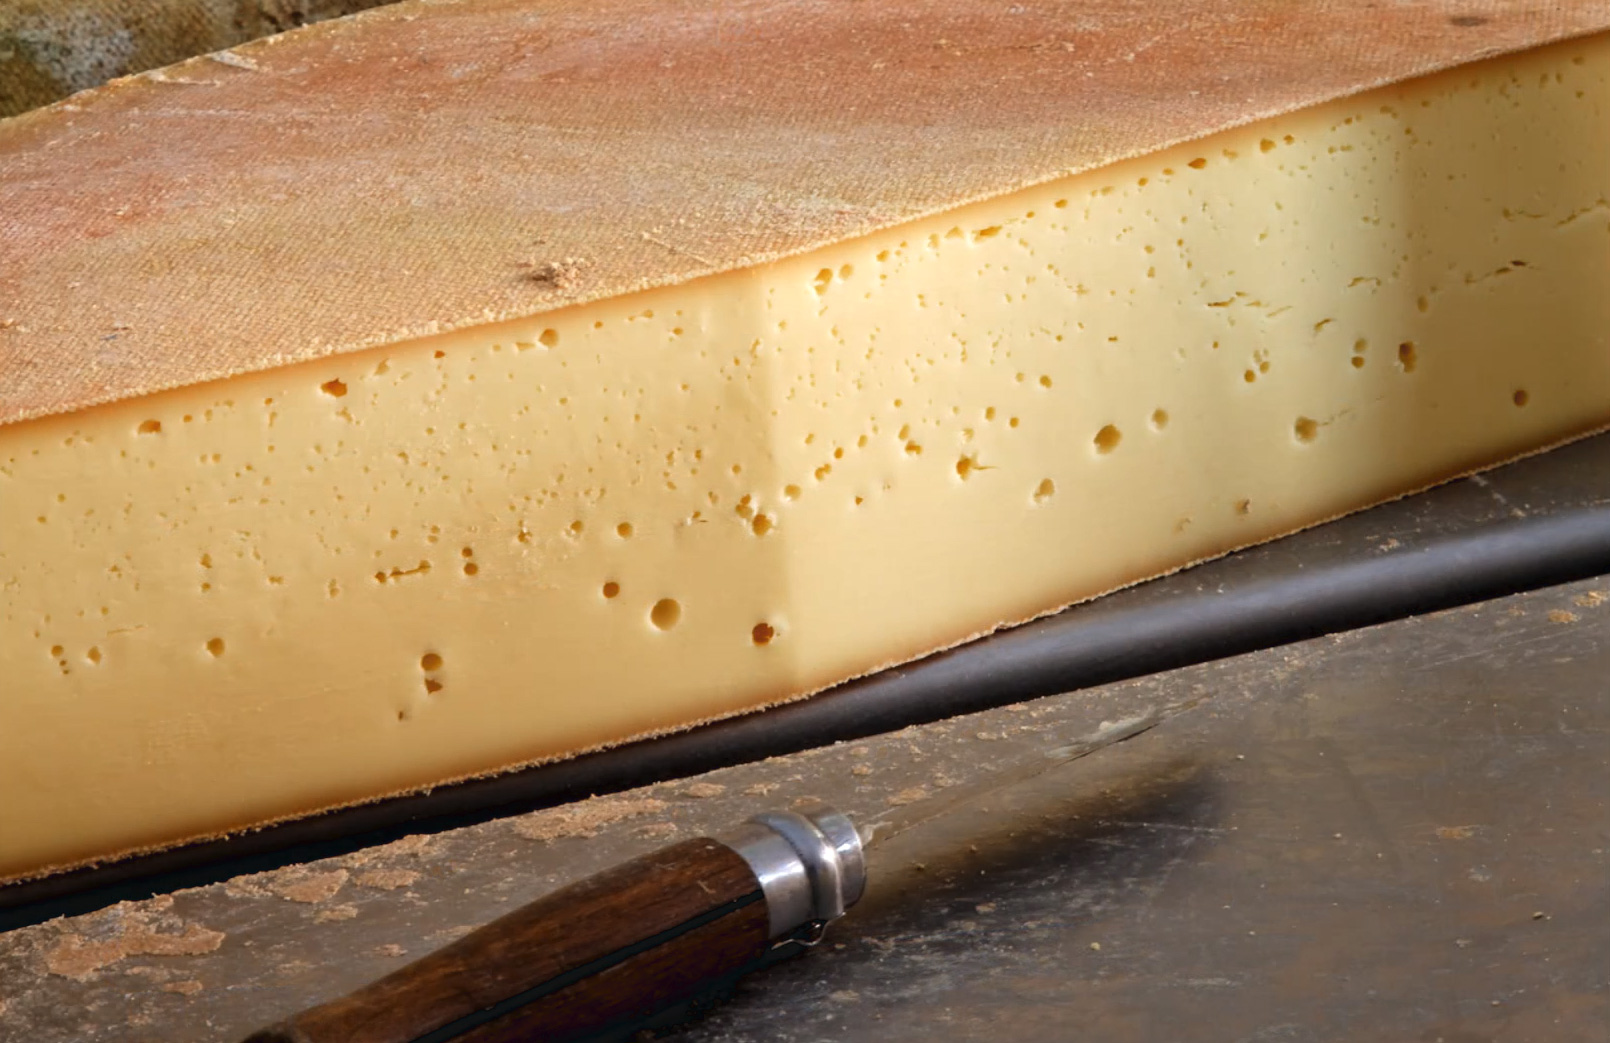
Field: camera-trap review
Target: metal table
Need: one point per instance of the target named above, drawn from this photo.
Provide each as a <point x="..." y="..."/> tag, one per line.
<point x="1400" y="831"/>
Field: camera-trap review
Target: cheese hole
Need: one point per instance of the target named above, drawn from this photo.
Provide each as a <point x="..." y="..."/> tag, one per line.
<point x="1243" y="507"/>
<point x="1107" y="439"/>
<point x="150" y="427"/>
<point x="1249" y="376"/>
<point x="1266" y="145"/>
<point x="1358" y="362"/>
<point x="965" y="467"/>
<point x="57" y="650"/>
<point x="790" y="492"/>
<point x="1045" y="490"/>
<point x="1520" y="397"/>
<point x="432" y="686"/>
<point x="1197" y="164"/>
<point x="468" y="552"/>
<point x="665" y="614"/>
<point x="611" y="589"/>
<point x="761" y="525"/>
<point x="624" y="530"/>
<point x="215" y="645"/>
<point x="762" y="634"/>
<point x="470" y="568"/>
<point x="1305" y="429"/>
<point x="430" y="661"/>
<point x="1406" y="356"/>
<point x="823" y="277"/>
<point x="93" y="655"/>
<point x="1045" y="381"/>
<point x="1159" y="419"/>
<point x="548" y="338"/>
<point x="333" y="388"/>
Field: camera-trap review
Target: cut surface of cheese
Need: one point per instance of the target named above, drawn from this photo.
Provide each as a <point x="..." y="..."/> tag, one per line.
<point x="290" y="590"/>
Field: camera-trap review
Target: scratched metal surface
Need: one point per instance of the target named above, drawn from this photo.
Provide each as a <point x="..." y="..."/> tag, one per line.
<point x="1399" y="832"/>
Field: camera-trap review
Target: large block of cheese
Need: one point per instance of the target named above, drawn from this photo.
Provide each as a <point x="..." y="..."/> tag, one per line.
<point x="357" y="559"/>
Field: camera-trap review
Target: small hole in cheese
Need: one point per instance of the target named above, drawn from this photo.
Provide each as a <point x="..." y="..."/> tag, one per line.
<point x="1407" y="356"/>
<point x="430" y="661"/>
<point x="1045" y="490"/>
<point x="965" y="467"/>
<point x="215" y="645"/>
<point x="432" y="686"/>
<point x="762" y="634"/>
<point x="333" y="388"/>
<point x="470" y="568"/>
<point x="665" y="614"/>
<point x="1306" y="429"/>
<point x="624" y="530"/>
<point x="611" y="589"/>
<point x="1520" y="397"/>
<point x="1107" y="439"/>
<point x="761" y="525"/>
<point x="150" y="427"/>
<point x="1159" y="419"/>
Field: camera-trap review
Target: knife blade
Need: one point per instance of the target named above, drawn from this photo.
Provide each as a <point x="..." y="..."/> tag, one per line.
<point x="604" y="956"/>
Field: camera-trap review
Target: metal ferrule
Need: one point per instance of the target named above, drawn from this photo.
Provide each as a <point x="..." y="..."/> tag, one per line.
<point x="809" y="863"/>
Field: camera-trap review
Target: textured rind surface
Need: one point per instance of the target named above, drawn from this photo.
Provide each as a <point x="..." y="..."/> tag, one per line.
<point x="436" y="165"/>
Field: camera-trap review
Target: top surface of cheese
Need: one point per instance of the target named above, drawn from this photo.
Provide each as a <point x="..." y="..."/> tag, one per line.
<point x="433" y="166"/>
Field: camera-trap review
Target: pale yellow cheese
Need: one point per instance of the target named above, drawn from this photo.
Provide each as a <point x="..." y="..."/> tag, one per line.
<point x="317" y="585"/>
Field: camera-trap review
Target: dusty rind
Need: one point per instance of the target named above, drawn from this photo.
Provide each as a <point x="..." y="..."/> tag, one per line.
<point x="944" y="645"/>
<point x="436" y="165"/>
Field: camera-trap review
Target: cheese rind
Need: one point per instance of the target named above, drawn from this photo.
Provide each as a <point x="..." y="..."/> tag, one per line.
<point x="317" y="585"/>
<point x="430" y="166"/>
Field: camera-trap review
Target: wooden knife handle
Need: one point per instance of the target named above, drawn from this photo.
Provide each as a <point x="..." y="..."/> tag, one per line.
<point x="611" y="950"/>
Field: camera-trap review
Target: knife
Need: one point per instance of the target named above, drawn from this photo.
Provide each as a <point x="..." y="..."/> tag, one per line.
<point x="602" y="957"/>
